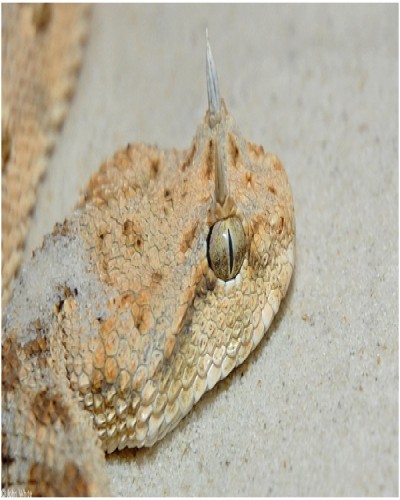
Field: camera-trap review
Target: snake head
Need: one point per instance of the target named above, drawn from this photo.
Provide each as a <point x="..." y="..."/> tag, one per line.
<point x="197" y="250"/>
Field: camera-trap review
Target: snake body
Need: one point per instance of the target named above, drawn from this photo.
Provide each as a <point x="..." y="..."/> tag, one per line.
<point x="119" y="324"/>
<point x="42" y="46"/>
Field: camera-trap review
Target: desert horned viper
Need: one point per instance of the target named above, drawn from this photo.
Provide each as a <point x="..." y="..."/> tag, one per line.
<point x="164" y="279"/>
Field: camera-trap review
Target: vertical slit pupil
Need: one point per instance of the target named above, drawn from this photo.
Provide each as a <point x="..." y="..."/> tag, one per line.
<point x="230" y="252"/>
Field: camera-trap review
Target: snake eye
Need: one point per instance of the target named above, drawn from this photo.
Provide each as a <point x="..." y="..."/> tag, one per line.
<point x="226" y="248"/>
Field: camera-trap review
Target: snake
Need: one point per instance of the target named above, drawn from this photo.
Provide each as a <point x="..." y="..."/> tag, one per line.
<point x="163" y="280"/>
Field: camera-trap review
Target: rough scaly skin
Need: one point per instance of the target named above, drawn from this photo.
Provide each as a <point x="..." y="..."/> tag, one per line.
<point x="42" y="47"/>
<point x="131" y="326"/>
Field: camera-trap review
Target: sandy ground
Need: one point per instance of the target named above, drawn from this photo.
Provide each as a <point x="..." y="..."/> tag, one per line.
<point x="314" y="411"/>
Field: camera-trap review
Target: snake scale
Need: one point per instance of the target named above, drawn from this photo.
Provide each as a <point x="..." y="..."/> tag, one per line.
<point x="164" y="279"/>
